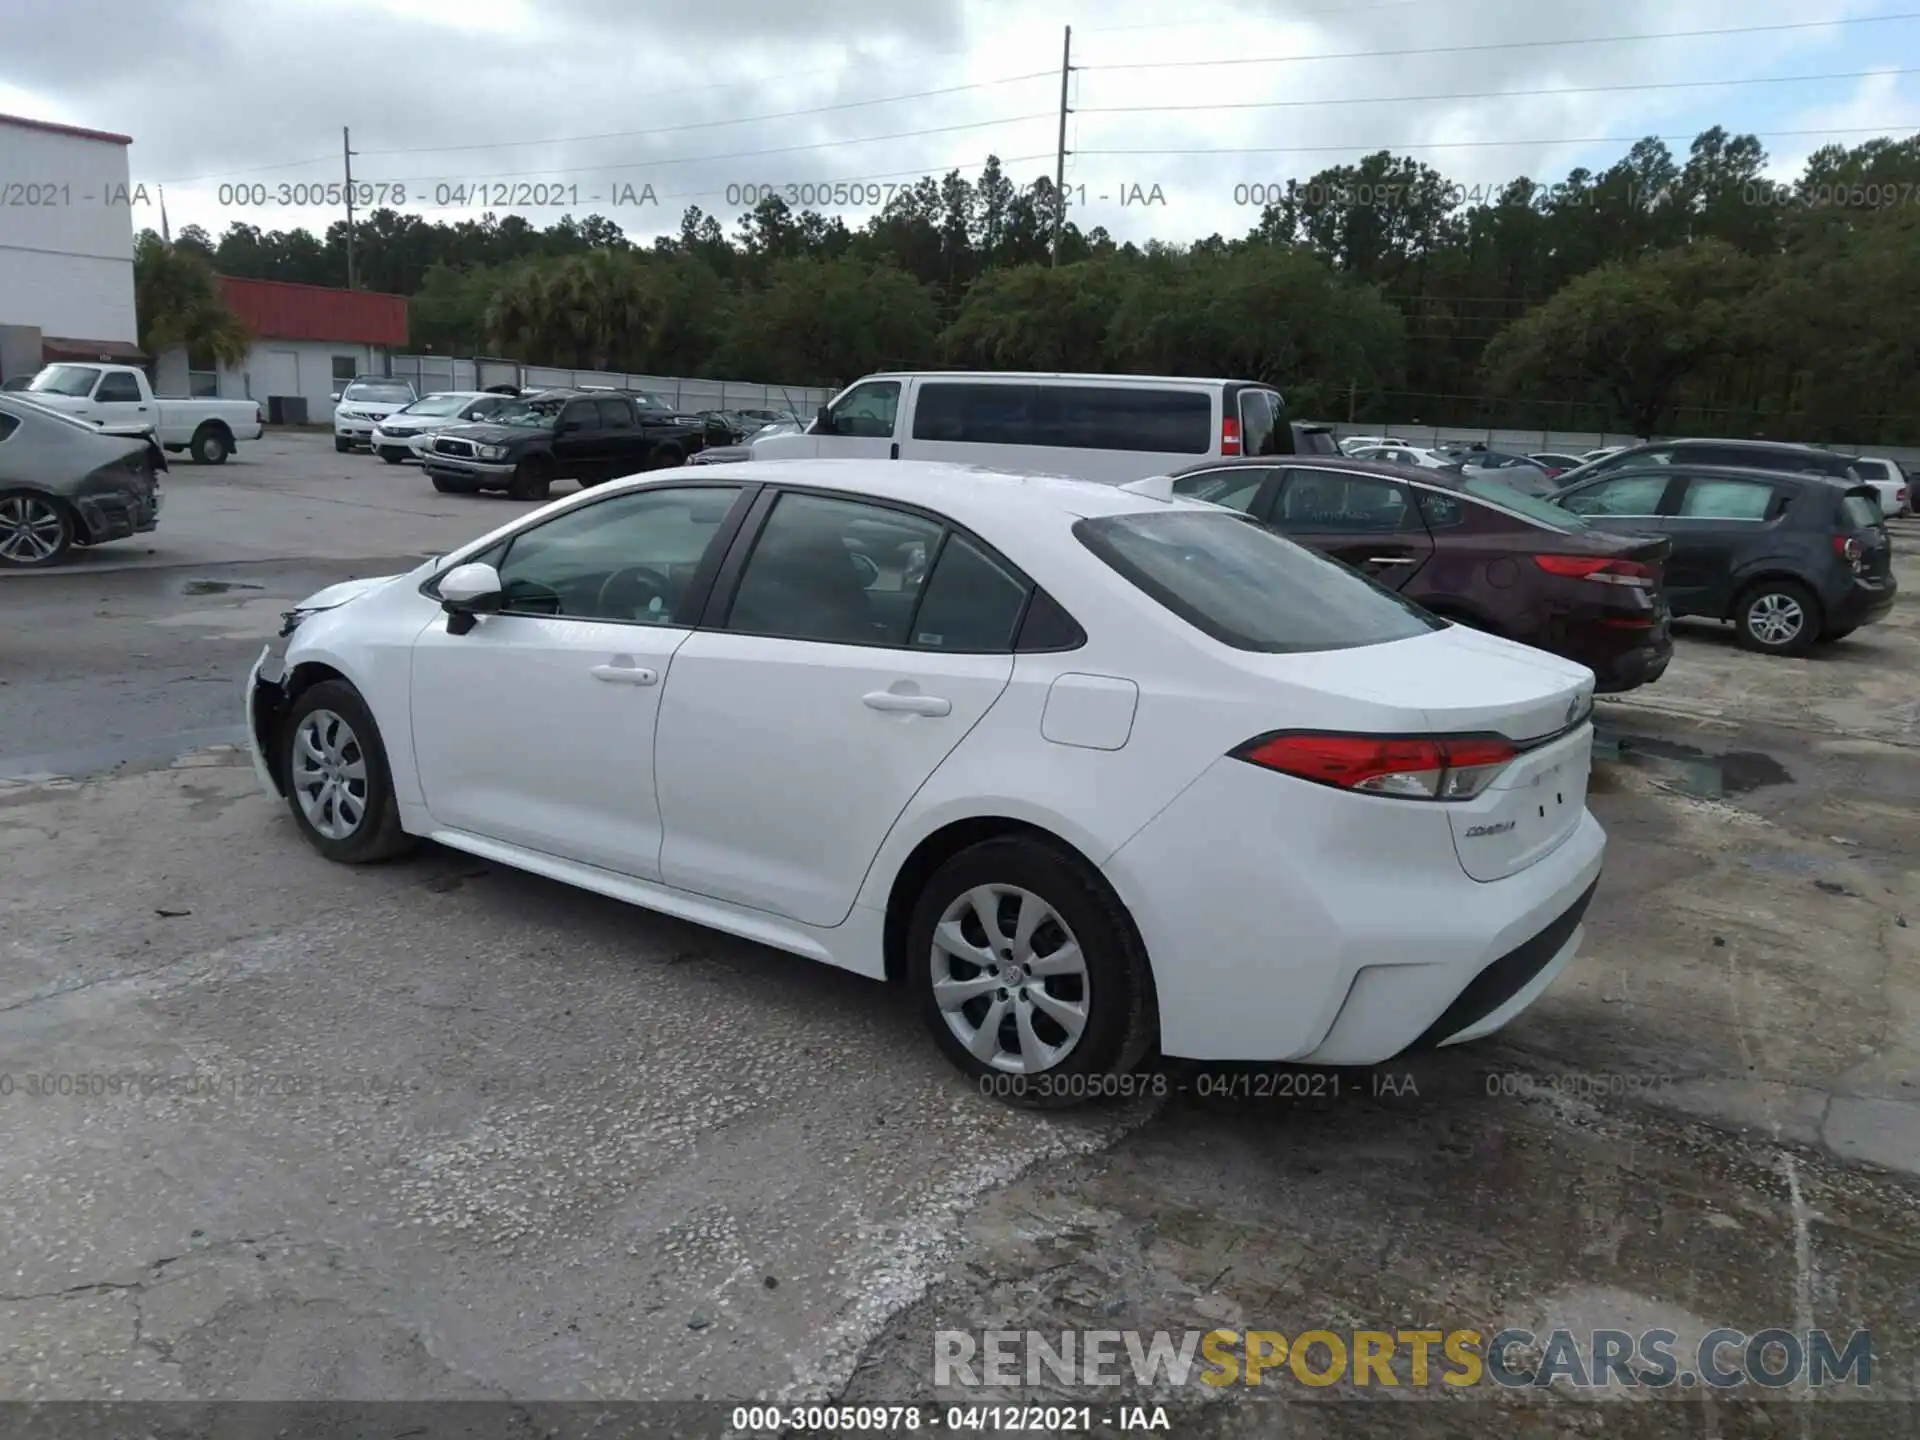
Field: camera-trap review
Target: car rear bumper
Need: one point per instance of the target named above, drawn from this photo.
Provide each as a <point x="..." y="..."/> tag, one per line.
<point x="117" y="515"/>
<point x="1862" y="604"/>
<point x="1630" y="669"/>
<point x="1347" y="951"/>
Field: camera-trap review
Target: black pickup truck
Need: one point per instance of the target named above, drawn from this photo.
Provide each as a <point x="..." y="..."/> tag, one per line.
<point x="557" y="435"/>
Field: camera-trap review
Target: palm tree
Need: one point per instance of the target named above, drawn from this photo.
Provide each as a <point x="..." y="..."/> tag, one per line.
<point x="177" y="299"/>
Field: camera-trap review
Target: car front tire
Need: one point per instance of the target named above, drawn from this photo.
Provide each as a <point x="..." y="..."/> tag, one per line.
<point x="337" y="780"/>
<point x="342" y="444"/>
<point x="1030" y="974"/>
<point x="1778" y="617"/>
<point x="532" y="480"/>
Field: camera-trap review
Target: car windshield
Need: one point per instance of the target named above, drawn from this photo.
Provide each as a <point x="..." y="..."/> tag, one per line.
<point x="438" y="405"/>
<point x="1248" y="587"/>
<point x="64" y="380"/>
<point x="536" y="414"/>
<point x="376" y="394"/>
<point x="1541" y="512"/>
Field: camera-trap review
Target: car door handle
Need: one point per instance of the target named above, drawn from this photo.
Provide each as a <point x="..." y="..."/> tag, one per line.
<point x="907" y="704"/>
<point x="624" y="674"/>
<point x="1392" y="560"/>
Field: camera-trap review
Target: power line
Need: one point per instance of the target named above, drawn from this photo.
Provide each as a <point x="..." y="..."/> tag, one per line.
<point x="1405" y="145"/>
<point x="1427" y="50"/>
<point x="1487" y="94"/>
<point x="641" y="165"/>
<point x="713" y="124"/>
<point x="1241" y="17"/>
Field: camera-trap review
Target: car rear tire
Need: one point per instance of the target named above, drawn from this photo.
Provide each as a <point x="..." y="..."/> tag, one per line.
<point x="338" y="784"/>
<point x="36" y="531"/>
<point x="664" y="459"/>
<point x="210" y="445"/>
<point x="532" y="480"/>
<point x="1777" y="617"/>
<point x="1059" y="1008"/>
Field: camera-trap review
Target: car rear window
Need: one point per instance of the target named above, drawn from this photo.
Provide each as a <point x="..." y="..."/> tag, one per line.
<point x="1248" y="587"/>
<point x="1862" y="511"/>
<point x="1541" y="512"/>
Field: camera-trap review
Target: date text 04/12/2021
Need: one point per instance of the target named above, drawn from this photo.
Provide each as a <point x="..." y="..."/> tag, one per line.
<point x="959" y="1419"/>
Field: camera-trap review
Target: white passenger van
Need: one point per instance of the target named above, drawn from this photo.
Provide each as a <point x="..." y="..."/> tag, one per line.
<point x="1114" y="428"/>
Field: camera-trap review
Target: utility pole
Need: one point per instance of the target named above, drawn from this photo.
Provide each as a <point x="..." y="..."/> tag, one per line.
<point x="1060" y="156"/>
<point x="346" y="157"/>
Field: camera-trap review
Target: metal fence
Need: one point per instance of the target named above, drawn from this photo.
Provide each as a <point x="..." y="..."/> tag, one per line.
<point x="452" y="372"/>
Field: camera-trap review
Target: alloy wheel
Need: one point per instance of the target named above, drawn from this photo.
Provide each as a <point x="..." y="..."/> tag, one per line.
<point x="1776" y="619"/>
<point x="329" y="774"/>
<point x="31" y="530"/>
<point x="1010" y="979"/>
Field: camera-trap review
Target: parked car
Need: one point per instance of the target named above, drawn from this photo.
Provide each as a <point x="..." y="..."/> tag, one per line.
<point x="1790" y="559"/>
<point x="118" y="397"/>
<point x="363" y="405"/>
<point x="1890" y="479"/>
<point x="773" y="417"/>
<point x="1602" y="453"/>
<point x="554" y="435"/>
<point x="64" y="482"/>
<point x="1515" y="471"/>
<point x="657" y="410"/>
<point x="1417" y="456"/>
<point x="1556" y="463"/>
<point x="1057" y="784"/>
<point x="1097" y="427"/>
<point x="1471" y="550"/>
<point x="1354" y="444"/>
<point x="403" y="435"/>
<point x="1740" y="454"/>
<point x="1312" y="439"/>
<point x="733" y="454"/>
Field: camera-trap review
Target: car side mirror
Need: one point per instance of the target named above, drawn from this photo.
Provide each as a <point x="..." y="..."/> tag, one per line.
<point x="336" y="397"/>
<point x="467" y="592"/>
<point x="823" y="422"/>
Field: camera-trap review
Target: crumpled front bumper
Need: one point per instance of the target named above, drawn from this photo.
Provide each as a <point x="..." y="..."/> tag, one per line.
<point x="266" y="702"/>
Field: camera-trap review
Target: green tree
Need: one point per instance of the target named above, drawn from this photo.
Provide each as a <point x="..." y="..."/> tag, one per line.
<point x="821" y="322"/>
<point x="177" y="302"/>
<point x="1633" y="332"/>
<point x="1034" y="317"/>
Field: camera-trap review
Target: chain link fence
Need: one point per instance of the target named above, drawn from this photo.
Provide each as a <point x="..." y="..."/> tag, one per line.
<point x="452" y="372"/>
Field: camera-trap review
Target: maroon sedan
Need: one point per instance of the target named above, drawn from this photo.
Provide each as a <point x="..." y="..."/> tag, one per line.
<point x="1469" y="549"/>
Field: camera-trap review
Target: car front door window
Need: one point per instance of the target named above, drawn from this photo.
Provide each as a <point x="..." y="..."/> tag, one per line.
<point x="118" y="389"/>
<point x="631" y="558"/>
<point x="868" y="411"/>
<point x="1627" y="495"/>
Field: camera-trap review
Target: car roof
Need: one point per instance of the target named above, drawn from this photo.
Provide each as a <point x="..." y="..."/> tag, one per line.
<point x="1027" y="376"/>
<point x="1718" y="472"/>
<point x="1706" y="440"/>
<point x="976" y="496"/>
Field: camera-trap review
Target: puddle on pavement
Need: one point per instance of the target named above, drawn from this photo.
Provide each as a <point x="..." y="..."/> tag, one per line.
<point x="1691" y="770"/>
<point x="217" y="587"/>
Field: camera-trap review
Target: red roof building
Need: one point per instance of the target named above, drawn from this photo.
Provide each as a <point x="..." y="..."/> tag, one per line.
<point x="281" y="310"/>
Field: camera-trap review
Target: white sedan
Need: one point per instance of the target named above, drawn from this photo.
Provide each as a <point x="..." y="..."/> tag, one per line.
<point x="1086" y="767"/>
<point x="405" y="434"/>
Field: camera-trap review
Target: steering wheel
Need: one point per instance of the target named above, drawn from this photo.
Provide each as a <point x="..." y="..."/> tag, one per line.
<point x="630" y="590"/>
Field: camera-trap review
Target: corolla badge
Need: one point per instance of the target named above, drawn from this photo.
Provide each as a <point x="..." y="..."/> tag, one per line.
<point x="1480" y="832"/>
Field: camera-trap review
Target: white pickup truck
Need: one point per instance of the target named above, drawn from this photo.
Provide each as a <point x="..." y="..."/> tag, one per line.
<point x="119" y="398"/>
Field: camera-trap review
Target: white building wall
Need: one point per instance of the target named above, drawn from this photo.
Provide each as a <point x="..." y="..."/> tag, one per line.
<point x="66" y="264"/>
<point x="274" y="367"/>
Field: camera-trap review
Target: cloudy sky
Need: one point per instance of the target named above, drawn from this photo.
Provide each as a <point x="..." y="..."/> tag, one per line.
<point x="585" y="104"/>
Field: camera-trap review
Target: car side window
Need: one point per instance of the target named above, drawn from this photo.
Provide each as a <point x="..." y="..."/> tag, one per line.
<point x="614" y="414"/>
<point x="118" y="387"/>
<point x="973" y="601"/>
<point x="580" y="413"/>
<point x="1636" y="495"/>
<point x="630" y="558"/>
<point x="1236" y="489"/>
<point x="7" y="426"/>
<point x="840" y="572"/>
<point x="1327" y="501"/>
<point x="1440" y="511"/>
<point x="1259" y="423"/>
<point x="1725" y="500"/>
<point x="868" y="410"/>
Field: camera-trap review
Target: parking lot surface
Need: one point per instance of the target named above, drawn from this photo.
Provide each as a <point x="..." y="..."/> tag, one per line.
<point x="278" y="1129"/>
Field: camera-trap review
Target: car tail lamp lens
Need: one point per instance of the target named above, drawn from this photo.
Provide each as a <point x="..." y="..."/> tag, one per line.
<point x="1230" y="436"/>
<point x="1847" y="548"/>
<point x="1606" y="572"/>
<point x="1406" y="767"/>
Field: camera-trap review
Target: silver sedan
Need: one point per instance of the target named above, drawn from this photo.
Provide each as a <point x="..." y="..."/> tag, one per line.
<point x="66" y="482"/>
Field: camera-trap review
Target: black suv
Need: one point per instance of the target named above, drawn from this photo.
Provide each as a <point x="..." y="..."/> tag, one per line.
<point x="1741" y="454"/>
<point x="1790" y="559"/>
<point x="588" y="436"/>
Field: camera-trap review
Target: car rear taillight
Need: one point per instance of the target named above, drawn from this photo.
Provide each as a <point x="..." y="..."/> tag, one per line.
<point x="1847" y="548"/>
<point x="1410" y="767"/>
<point x="1607" y="572"/>
<point x="1230" y="435"/>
